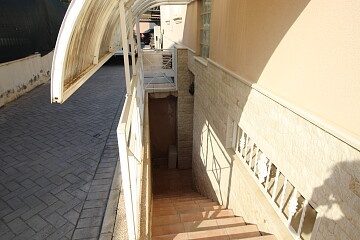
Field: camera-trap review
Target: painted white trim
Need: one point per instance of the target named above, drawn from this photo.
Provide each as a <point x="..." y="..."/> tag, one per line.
<point x="124" y="39"/>
<point x="101" y="32"/>
<point x="64" y="37"/>
<point x="328" y="127"/>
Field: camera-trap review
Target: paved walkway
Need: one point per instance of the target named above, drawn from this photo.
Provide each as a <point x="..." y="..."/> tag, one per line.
<point x="57" y="162"/>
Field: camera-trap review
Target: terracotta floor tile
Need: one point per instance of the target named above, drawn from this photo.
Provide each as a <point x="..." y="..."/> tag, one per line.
<point x="218" y="234"/>
<point x="232" y="221"/>
<point x="200" y="225"/>
<point x="190" y="210"/>
<point x="218" y="214"/>
<point x="159" y="209"/>
<point x="188" y="217"/>
<point x="243" y="231"/>
<point x="217" y="207"/>
<point x="168" y="229"/>
<point x="178" y="236"/>
<point x="165" y="212"/>
<point x="187" y="206"/>
<point x="208" y="204"/>
<point x="165" y="220"/>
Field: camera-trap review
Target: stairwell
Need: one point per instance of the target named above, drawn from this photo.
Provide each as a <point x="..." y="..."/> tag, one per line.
<point x="180" y="213"/>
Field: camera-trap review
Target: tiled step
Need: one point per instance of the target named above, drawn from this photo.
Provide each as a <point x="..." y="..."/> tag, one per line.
<point x="193" y="216"/>
<point x="197" y="226"/>
<point x="180" y="203"/>
<point x="179" y="199"/>
<point x="249" y="232"/>
<point x="163" y="211"/>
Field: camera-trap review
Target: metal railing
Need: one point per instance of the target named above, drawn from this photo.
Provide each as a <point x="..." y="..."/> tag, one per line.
<point x="159" y="68"/>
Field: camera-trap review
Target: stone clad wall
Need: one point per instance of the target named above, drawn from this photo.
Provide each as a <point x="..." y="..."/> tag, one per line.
<point x="185" y="105"/>
<point x="324" y="169"/>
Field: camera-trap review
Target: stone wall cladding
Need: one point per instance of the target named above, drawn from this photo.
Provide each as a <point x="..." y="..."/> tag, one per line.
<point x="325" y="169"/>
<point x="185" y="108"/>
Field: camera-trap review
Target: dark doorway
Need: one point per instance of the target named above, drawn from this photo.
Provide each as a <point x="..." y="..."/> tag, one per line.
<point x="163" y="122"/>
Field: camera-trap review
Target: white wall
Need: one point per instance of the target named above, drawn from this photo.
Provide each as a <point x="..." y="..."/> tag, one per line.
<point x="22" y="75"/>
<point x="172" y="31"/>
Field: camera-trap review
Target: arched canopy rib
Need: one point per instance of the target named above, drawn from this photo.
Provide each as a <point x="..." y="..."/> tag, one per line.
<point x="89" y="36"/>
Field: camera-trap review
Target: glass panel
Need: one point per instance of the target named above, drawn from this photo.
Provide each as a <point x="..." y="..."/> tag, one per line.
<point x="205" y="33"/>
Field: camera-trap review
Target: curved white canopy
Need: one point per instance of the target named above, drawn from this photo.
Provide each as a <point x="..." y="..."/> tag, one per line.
<point x="89" y="36"/>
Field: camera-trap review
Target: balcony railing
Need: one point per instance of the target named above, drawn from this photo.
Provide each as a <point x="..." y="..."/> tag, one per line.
<point x="130" y="141"/>
<point x="296" y="212"/>
<point x="159" y="69"/>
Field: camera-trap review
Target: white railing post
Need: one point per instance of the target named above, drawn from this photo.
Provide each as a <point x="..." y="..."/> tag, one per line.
<point x="242" y="143"/>
<point x="124" y="40"/>
<point x="126" y="181"/>
<point x="262" y="168"/>
<point x="292" y="206"/>
<point x="281" y="206"/>
<point x="275" y="184"/>
<point x="251" y="154"/>
<point x="306" y="202"/>
<point x="268" y="176"/>
<point x="132" y="43"/>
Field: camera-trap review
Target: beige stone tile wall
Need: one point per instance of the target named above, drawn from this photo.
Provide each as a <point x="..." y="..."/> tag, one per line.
<point x="185" y="109"/>
<point x="324" y="169"/>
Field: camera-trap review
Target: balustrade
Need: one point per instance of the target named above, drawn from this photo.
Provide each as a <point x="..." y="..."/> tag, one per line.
<point x="282" y="194"/>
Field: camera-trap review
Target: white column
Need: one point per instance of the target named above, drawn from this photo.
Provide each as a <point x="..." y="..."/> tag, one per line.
<point x="138" y="40"/>
<point x="125" y="45"/>
<point x="132" y="42"/>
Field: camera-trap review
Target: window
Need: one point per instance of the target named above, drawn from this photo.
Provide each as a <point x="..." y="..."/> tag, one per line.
<point x="205" y="28"/>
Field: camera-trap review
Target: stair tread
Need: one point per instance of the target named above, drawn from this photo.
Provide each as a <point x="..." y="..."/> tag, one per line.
<point x="184" y="205"/>
<point x="198" y="225"/>
<point x="185" y="216"/>
<point x="195" y="216"/>
<point x="242" y="232"/>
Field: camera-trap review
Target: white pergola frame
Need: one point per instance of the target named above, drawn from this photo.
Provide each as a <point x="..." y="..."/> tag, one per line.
<point x="128" y="15"/>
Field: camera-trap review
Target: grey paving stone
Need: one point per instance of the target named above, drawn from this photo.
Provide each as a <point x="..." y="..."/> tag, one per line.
<point x="25" y="234"/>
<point x="99" y="188"/>
<point x="11" y="216"/>
<point x="17" y="226"/>
<point x="49" y="155"/>
<point x="85" y="233"/>
<point x="44" y="233"/>
<point x="33" y="211"/>
<point x="56" y="219"/>
<point x="61" y="232"/>
<point x="89" y="222"/>
<point x="92" y="212"/>
<point x="97" y="195"/>
<point x="8" y="235"/>
<point x="95" y="204"/>
<point x="36" y="223"/>
<point x="72" y="216"/>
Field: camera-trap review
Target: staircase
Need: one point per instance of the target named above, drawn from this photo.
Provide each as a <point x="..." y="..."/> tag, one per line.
<point x="189" y="215"/>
